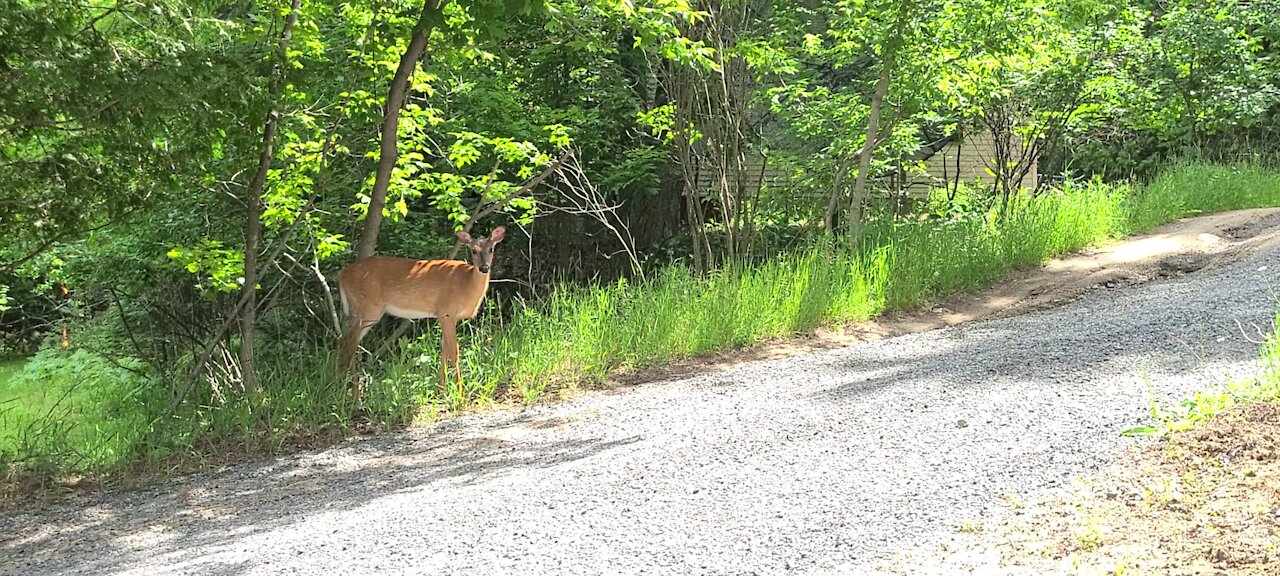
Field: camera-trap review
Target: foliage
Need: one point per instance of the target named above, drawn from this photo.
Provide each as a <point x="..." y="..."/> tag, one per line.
<point x="1183" y="80"/>
<point x="80" y="143"/>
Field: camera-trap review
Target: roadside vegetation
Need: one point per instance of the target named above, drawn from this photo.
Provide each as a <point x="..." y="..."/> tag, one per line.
<point x="180" y="183"/>
<point x="74" y="410"/>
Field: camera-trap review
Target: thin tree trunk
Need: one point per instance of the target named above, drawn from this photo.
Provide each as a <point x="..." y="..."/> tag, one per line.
<point x="898" y="197"/>
<point x="955" y="189"/>
<point x="842" y="172"/>
<point x="680" y="89"/>
<point x="864" y="156"/>
<point x="837" y="183"/>
<point x="389" y="152"/>
<point x="253" y="201"/>
<point x="873" y="123"/>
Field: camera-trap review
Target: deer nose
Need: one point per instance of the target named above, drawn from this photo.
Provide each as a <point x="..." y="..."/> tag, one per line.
<point x="484" y="269"/>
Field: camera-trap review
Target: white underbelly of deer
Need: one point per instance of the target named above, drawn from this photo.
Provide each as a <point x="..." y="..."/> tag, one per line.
<point x="408" y="313"/>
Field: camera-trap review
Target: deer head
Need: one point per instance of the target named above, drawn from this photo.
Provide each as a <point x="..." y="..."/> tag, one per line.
<point x="482" y="248"/>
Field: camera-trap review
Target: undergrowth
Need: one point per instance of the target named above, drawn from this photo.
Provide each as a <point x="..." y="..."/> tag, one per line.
<point x="74" y="412"/>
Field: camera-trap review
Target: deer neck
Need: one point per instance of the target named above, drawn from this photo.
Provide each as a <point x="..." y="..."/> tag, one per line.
<point x="478" y="288"/>
<point x="479" y="280"/>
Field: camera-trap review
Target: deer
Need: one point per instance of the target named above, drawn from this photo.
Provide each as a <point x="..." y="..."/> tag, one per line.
<point x="447" y="290"/>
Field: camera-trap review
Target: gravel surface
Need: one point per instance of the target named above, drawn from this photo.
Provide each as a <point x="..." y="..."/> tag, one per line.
<point x="820" y="463"/>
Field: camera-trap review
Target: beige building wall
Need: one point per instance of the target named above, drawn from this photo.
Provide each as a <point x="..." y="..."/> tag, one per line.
<point x="976" y="156"/>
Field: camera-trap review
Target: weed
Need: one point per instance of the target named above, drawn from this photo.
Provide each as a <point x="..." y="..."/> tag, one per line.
<point x="1205" y="404"/>
<point x="1088" y="534"/>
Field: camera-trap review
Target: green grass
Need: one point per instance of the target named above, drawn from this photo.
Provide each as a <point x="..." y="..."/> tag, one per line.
<point x="68" y="412"/>
<point x="1199" y="189"/>
<point x="19" y="400"/>
<point x="581" y="335"/>
<point x="8" y="369"/>
<point x="76" y="412"/>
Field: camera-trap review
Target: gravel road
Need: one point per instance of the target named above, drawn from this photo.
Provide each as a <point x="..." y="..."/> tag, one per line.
<point x="820" y="463"/>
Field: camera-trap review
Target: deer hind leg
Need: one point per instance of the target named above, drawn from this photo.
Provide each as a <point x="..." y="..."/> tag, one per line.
<point x="449" y="351"/>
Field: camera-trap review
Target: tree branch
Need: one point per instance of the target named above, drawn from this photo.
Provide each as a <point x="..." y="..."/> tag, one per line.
<point x="60" y="237"/>
<point x="481" y="210"/>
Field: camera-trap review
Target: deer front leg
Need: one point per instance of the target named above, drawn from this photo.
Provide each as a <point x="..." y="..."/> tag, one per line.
<point x="348" y="347"/>
<point x="449" y="351"/>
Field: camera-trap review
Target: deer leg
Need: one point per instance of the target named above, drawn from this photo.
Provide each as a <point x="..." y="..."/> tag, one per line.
<point x="348" y="348"/>
<point x="449" y="350"/>
<point x="443" y="375"/>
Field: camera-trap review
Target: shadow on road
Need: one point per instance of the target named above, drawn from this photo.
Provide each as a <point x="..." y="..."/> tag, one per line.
<point x="212" y="512"/>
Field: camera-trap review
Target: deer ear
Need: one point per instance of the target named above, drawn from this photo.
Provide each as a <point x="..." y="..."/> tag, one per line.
<point x="463" y="237"/>
<point x="498" y="233"/>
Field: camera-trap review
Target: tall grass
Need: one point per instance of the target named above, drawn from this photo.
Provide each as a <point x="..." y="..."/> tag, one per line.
<point x="580" y="334"/>
<point x="68" y="412"/>
<point x="1203" y="188"/>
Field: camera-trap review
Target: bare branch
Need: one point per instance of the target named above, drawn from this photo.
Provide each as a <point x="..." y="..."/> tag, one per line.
<point x="587" y="200"/>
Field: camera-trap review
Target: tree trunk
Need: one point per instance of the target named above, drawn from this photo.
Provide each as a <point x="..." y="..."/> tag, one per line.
<point x="955" y="188"/>
<point x="253" y="203"/>
<point x="680" y="88"/>
<point x="864" y="156"/>
<point x="837" y="184"/>
<point x="397" y="94"/>
<point x="873" y="123"/>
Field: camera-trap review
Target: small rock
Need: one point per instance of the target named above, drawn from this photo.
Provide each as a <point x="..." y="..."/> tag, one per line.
<point x="962" y="423"/>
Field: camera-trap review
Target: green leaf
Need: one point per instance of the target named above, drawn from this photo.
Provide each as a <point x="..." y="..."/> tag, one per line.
<point x="1141" y="431"/>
